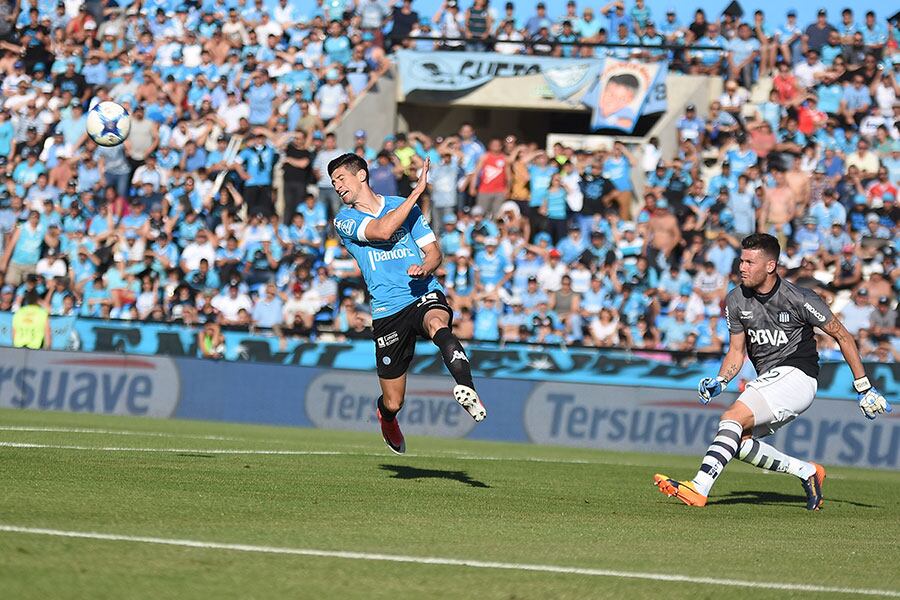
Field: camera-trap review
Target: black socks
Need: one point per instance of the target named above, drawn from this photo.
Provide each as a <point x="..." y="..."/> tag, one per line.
<point x="454" y="356"/>
<point x="387" y="415"/>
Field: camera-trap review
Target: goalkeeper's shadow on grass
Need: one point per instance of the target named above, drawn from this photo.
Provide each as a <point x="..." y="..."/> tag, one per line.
<point x="407" y="472"/>
<point x="778" y="499"/>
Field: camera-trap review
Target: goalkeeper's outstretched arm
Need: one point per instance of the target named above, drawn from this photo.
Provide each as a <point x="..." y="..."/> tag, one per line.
<point x="836" y="330"/>
<point x="734" y="358"/>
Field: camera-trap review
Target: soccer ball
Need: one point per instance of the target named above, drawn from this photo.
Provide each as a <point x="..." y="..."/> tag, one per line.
<point x="108" y="124"/>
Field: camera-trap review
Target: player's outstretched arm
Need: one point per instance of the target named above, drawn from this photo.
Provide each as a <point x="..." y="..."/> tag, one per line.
<point x="871" y="403"/>
<point x="710" y="387"/>
<point x="381" y="229"/>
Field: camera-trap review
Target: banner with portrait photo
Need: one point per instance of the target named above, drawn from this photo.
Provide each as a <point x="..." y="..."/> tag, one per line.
<point x="624" y="92"/>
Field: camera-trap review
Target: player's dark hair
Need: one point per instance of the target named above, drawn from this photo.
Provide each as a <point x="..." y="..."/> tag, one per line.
<point x="352" y="162"/>
<point x="763" y="242"/>
<point x="626" y="79"/>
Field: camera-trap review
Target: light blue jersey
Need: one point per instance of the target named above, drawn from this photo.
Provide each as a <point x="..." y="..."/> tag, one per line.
<point x="384" y="264"/>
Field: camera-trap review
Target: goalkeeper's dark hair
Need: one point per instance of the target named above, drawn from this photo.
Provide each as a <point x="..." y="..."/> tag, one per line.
<point x="765" y="243"/>
<point x="352" y="162"/>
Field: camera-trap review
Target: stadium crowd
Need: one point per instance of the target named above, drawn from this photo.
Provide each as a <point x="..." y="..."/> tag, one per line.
<point x="217" y="208"/>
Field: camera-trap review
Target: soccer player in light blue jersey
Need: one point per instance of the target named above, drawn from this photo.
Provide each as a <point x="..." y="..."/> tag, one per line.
<point x="397" y="253"/>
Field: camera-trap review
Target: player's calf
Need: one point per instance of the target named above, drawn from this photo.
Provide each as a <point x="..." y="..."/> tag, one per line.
<point x="454" y="356"/>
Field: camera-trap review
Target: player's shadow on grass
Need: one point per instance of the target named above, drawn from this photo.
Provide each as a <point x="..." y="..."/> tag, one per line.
<point x="407" y="472"/>
<point x="776" y="498"/>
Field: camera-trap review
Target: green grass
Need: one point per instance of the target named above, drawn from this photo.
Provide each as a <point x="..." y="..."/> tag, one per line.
<point x="600" y="513"/>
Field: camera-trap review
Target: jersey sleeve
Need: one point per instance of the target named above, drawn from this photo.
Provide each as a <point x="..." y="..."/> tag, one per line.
<point x="732" y="306"/>
<point x="421" y="230"/>
<point x="815" y="311"/>
<point x="351" y="226"/>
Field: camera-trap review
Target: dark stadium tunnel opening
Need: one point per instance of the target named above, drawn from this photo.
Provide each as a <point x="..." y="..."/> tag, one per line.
<point x="413" y="473"/>
<point x="533" y="125"/>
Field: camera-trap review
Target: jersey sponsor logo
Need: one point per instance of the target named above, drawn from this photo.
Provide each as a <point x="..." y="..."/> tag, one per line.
<point x="346" y="400"/>
<point x="377" y="256"/>
<point x="746" y="314"/>
<point x="767" y="336"/>
<point x="784" y="317"/>
<point x="98" y="383"/>
<point x="387" y="340"/>
<point x="814" y="312"/>
<point x="346" y="226"/>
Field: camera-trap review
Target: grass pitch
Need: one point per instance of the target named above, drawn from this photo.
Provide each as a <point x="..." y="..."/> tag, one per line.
<point x="448" y="499"/>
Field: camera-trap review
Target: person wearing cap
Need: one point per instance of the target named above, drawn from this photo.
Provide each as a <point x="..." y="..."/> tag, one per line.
<point x="816" y="34"/>
<point x="331" y="99"/>
<point x="690" y="126"/>
<point x="397" y="252"/>
<point x="539" y="20"/>
<point x="883" y="321"/>
<point x="857" y="315"/>
<point x="450" y="23"/>
<point x="492" y="268"/>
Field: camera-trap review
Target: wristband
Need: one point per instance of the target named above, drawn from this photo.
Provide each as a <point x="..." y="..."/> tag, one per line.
<point x="862" y="384"/>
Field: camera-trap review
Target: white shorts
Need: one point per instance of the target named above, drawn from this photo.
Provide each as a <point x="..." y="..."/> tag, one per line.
<point x="777" y="397"/>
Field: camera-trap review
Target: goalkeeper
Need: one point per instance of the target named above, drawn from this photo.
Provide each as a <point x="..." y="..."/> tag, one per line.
<point x="773" y="320"/>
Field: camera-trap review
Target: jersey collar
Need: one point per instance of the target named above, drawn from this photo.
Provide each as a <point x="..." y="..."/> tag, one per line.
<point x="380" y="199"/>
<point x="763" y="298"/>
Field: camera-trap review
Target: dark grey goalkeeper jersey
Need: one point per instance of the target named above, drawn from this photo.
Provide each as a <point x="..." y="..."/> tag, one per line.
<point x="778" y="325"/>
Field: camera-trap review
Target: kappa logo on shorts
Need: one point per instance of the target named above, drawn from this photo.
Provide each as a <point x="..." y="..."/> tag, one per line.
<point x="347" y="226"/>
<point x="457" y="355"/>
<point x="386" y="340"/>
<point x="784" y="317"/>
<point x="768" y="376"/>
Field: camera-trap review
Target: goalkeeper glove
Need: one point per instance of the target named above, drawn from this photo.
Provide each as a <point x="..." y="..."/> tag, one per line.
<point x="871" y="402"/>
<point x="710" y="387"/>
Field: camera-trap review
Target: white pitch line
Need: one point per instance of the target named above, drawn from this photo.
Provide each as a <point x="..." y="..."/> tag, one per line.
<point x="172" y="450"/>
<point x="118" y="432"/>
<point x="227" y="451"/>
<point x="453" y="562"/>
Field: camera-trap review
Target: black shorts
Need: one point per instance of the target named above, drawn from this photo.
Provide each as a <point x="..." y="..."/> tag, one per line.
<point x="395" y="336"/>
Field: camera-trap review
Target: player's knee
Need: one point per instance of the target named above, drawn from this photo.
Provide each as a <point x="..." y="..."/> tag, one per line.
<point x="740" y="414"/>
<point x="392" y="402"/>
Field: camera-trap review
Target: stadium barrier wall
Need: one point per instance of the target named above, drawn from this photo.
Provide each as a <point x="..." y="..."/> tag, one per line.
<point x="512" y="361"/>
<point x="609" y="417"/>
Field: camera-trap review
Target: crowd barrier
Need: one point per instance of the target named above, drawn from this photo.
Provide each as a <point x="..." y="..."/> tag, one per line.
<point x="605" y="416"/>
<point x="513" y="361"/>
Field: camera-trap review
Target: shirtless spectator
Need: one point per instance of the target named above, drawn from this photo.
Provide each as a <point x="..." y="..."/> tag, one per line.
<point x="664" y="234"/>
<point x="779" y="208"/>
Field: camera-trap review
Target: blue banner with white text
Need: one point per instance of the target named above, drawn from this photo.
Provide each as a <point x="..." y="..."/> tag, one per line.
<point x="575" y="364"/>
<point x="624" y="416"/>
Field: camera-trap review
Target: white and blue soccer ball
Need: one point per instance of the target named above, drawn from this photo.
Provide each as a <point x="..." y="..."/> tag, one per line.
<point x="108" y="123"/>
